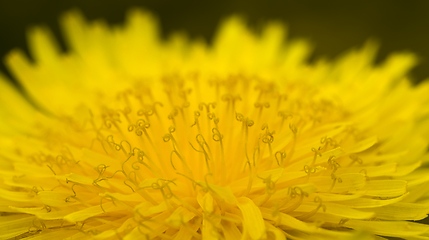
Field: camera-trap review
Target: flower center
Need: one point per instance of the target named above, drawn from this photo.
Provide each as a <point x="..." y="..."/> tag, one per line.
<point x="217" y="131"/>
<point x="204" y="146"/>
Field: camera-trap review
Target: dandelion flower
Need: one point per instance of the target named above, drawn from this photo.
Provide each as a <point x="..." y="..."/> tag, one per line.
<point x="133" y="137"/>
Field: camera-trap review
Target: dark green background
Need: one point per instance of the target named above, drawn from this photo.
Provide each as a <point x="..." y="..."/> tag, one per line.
<point x="332" y="26"/>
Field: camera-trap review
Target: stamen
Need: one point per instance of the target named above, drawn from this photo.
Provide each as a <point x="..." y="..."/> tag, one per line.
<point x="333" y="165"/>
<point x="293" y="128"/>
<point x="270" y="185"/>
<point x="147" y="113"/>
<point x="285" y="115"/>
<point x="51" y="169"/>
<point x="196" y="116"/>
<point x="328" y="141"/>
<point x="365" y="173"/>
<point x="246" y="124"/>
<point x="140" y="127"/>
<point x="202" y="142"/>
<point x="268" y="138"/>
<point x="212" y="116"/>
<point x="37" y="228"/>
<point x="270" y="189"/>
<point x="125" y="112"/>
<point x="132" y="177"/>
<point x="280" y="157"/>
<point x="171" y="129"/>
<point x="94" y="126"/>
<point x="218" y="138"/>
<point x="231" y="101"/>
<point x="203" y="145"/>
<point x="181" y="110"/>
<point x="293" y="192"/>
<point x="256" y="153"/>
<point x="123" y="165"/>
<point x="163" y="186"/>
<point x="171" y="158"/>
<point x="335" y="179"/>
<point x="124" y="95"/>
<point x="101" y="169"/>
<point x="140" y="159"/>
<point x="194" y="183"/>
<point x="74" y="192"/>
<point x="60" y="160"/>
<point x="109" y="121"/>
<point x="250" y="182"/>
<point x="355" y="158"/>
<point x="316" y="153"/>
<point x="106" y="197"/>
<point x="207" y="186"/>
<point x="169" y="136"/>
<point x="172" y="115"/>
<point x="70" y="158"/>
<point x="48" y="208"/>
<point x="129" y="148"/>
<point x="216" y="135"/>
<point x="201" y="106"/>
<point x="264" y="88"/>
<point x="343" y="221"/>
<point x="155" y="111"/>
<point x="310" y="214"/>
<point x="261" y="106"/>
<point x="184" y="94"/>
<point x="126" y="184"/>
<point x="110" y="140"/>
<point x="280" y="98"/>
<point x="309" y="170"/>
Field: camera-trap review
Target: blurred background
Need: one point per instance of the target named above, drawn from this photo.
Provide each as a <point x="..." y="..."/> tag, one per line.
<point x="332" y="26"/>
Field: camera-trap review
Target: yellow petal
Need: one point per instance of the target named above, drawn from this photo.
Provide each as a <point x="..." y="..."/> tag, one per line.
<point x="209" y="231"/>
<point x="389" y="228"/>
<point x="401" y="211"/>
<point x="223" y="193"/>
<point x="384" y="188"/>
<point x="253" y="222"/>
<point x="43" y="213"/>
<point x="205" y="202"/>
<point x="363" y="145"/>
<point x="14" y="225"/>
<point x="180" y="216"/>
<point x="278" y="234"/>
<point x="287" y="220"/>
<point x="59" y="234"/>
<point x="387" y="169"/>
<point x="230" y="231"/>
<point x="18" y="196"/>
<point x="372" y="202"/>
<point x="17" y="116"/>
<point x="337" y="210"/>
<point x="349" y="182"/>
<point x="187" y="231"/>
<point x="55" y="199"/>
<point x="43" y="46"/>
<point x="89" y="212"/>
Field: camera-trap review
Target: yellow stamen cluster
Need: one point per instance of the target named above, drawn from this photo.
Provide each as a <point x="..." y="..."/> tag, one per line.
<point x="143" y="139"/>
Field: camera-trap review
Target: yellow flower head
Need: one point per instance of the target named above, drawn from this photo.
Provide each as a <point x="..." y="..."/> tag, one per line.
<point x="132" y="137"/>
